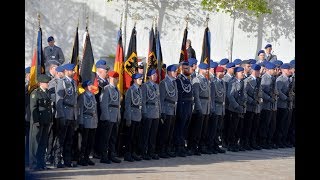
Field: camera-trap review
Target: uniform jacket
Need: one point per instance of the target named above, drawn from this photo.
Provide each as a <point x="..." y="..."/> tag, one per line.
<point x="283" y="89"/>
<point x="185" y="89"/>
<point x="219" y="96"/>
<point x="133" y="104"/>
<point x="40" y="107"/>
<point x="150" y="100"/>
<point x="101" y="85"/>
<point x="55" y="54"/>
<point x="254" y="94"/>
<point x="110" y="104"/>
<point x="269" y="90"/>
<point x="227" y="78"/>
<point x="66" y="99"/>
<point x="87" y="108"/>
<point x="201" y="89"/>
<point x="168" y="96"/>
<point x="237" y="96"/>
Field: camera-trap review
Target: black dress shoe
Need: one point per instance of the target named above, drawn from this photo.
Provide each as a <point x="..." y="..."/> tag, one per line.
<point x="91" y="163"/>
<point x="256" y="147"/>
<point x="83" y="162"/>
<point x="146" y="157"/>
<point x="164" y="155"/>
<point x="105" y="161"/>
<point x="219" y="150"/>
<point x="128" y="157"/>
<point x="59" y="165"/>
<point x="115" y="160"/>
<point x="136" y="157"/>
<point x="154" y="156"/>
<point x="70" y="164"/>
<point x="45" y="168"/>
<point x="247" y="147"/>
<point x="171" y="154"/>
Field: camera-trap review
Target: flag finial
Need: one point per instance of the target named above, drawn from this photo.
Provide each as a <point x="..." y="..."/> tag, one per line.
<point x="207" y="20"/>
<point x="121" y="20"/>
<point x="187" y="20"/>
<point x="78" y="22"/>
<point x="87" y="23"/>
<point x="39" y="19"/>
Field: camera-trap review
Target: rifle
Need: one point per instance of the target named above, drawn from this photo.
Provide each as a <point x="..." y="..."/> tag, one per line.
<point x="291" y="93"/>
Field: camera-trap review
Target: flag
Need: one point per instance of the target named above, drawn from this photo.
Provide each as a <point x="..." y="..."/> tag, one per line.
<point x="183" y="52"/>
<point x="160" y="71"/>
<point x="131" y="64"/>
<point x="118" y="62"/>
<point x="88" y="69"/>
<point x="152" y="59"/>
<point x="75" y="58"/>
<point x="37" y="64"/>
<point x="205" y="56"/>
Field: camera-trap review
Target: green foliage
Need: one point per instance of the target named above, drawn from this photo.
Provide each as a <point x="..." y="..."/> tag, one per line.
<point x="252" y="7"/>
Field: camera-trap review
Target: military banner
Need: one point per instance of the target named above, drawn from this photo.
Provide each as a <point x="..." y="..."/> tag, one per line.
<point x="152" y="59"/>
<point x="118" y="62"/>
<point x="75" y="57"/>
<point x="205" y="56"/>
<point x="160" y="71"/>
<point x="183" y="52"/>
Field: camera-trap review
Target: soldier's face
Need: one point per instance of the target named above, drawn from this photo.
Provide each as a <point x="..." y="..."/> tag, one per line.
<point x="103" y="73"/>
<point x="268" y="50"/>
<point x="51" y="43"/>
<point x="69" y="73"/>
<point x="27" y="76"/>
<point x="90" y="87"/>
<point x="60" y="74"/>
<point x="139" y="81"/>
<point x="230" y="70"/>
<point x="186" y="70"/>
<point x="261" y="56"/>
<point x="154" y="77"/>
<point x="204" y="72"/>
<point x="220" y="75"/>
<point x="44" y="85"/>
<point x="240" y="75"/>
<point x="140" y="71"/>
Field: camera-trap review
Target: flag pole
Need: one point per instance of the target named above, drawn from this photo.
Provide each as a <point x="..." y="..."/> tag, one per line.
<point x="207" y="22"/>
<point x="187" y="20"/>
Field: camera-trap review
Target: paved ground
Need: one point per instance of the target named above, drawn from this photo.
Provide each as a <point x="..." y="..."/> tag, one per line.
<point x="249" y="165"/>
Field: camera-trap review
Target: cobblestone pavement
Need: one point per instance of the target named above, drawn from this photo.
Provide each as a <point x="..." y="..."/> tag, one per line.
<point x="249" y="165"/>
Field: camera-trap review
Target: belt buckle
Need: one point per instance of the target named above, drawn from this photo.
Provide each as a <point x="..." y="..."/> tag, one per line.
<point x="140" y="107"/>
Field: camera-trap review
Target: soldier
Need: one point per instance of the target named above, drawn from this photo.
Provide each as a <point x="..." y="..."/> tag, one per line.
<point x="252" y="86"/>
<point x="132" y="116"/>
<point x="52" y="54"/>
<point x="269" y="57"/>
<point x="247" y="68"/>
<point x="26" y="113"/>
<point x="237" y="62"/>
<point x="59" y="73"/>
<point x="41" y="117"/>
<point x="198" y="139"/>
<point x="278" y="63"/>
<point x="193" y="66"/>
<point x="88" y="122"/>
<point x="261" y="56"/>
<point x="110" y="119"/>
<point x="237" y="106"/>
<point x="284" y="104"/>
<point x="102" y="75"/>
<point x="168" y="102"/>
<point x="267" y="124"/>
<point x="52" y="69"/>
<point x="190" y="51"/>
<point x="218" y="94"/>
<point x="150" y="116"/>
<point x="223" y="62"/>
<point x="66" y="106"/>
<point x="184" y="109"/>
<point x="291" y="133"/>
<point x="227" y="78"/>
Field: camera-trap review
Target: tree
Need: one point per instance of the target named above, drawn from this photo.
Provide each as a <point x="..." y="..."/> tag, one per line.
<point x="254" y="8"/>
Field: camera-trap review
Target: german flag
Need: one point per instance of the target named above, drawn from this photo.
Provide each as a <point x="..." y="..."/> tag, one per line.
<point x="183" y="52"/>
<point x="152" y="59"/>
<point x="118" y="62"/>
<point x="205" y="56"/>
<point x="88" y="69"/>
<point x="75" y="58"/>
<point x="37" y="64"/>
<point x="131" y="64"/>
<point x="161" y="72"/>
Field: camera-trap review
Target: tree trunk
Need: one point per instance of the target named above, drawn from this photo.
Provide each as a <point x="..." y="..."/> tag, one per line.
<point x="124" y="39"/>
<point x="161" y="13"/>
<point x="232" y="36"/>
<point x="260" y="34"/>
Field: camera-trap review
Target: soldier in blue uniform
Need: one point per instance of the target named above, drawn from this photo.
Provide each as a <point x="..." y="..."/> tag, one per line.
<point x="291" y="133"/>
<point x="52" y="54"/>
<point x="66" y="106"/>
<point x="88" y="121"/>
<point x="261" y="56"/>
<point x="110" y="119"/>
<point x="237" y="106"/>
<point x="184" y="109"/>
<point x="150" y="116"/>
<point x="193" y="66"/>
<point x="132" y="116"/>
<point x="267" y="124"/>
<point x="284" y="104"/>
<point x="247" y="68"/>
<point x="252" y="86"/>
<point x="168" y="102"/>
<point x="40" y="120"/>
<point x="26" y="114"/>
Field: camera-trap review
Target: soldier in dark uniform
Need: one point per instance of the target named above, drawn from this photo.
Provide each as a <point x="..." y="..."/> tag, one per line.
<point x="229" y="75"/>
<point x="284" y="104"/>
<point x="110" y="118"/>
<point x="150" y="116"/>
<point x="198" y="140"/>
<point x="291" y="133"/>
<point x="66" y="106"/>
<point x="102" y="75"/>
<point x="59" y="73"/>
<point x="247" y="68"/>
<point x="269" y="57"/>
<point x="261" y="56"/>
<point x="190" y="51"/>
<point x="168" y="101"/>
<point x="52" y="54"/>
<point x="184" y="109"/>
<point x="52" y="69"/>
<point x="193" y="66"/>
<point x="132" y="116"/>
<point x="218" y="97"/>
<point x="26" y="114"/>
<point x="41" y="117"/>
<point x="252" y="86"/>
<point x="278" y="63"/>
<point x="237" y="106"/>
<point x="88" y="122"/>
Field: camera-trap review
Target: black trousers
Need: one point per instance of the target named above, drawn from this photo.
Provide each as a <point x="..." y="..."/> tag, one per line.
<point x="205" y="130"/>
<point x="239" y="130"/>
<point x="63" y="143"/>
<point x="149" y="131"/>
<point x="164" y="137"/>
<point x="109" y="138"/>
<point x="195" y="130"/>
<point x="98" y="145"/>
<point x="254" y="129"/>
<point x="225" y="128"/>
<point x="214" y="126"/>
<point x="233" y="124"/>
<point x="266" y="116"/>
<point x="132" y="140"/>
<point x="184" y="112"/>
<point x="272" y="127"/>
<point x="51" y="137"/>
<point x="282" y="121"/>
<point x="26" y="147"/>
<point x="38" y="145"/>
<point x="87" y="142"/>
<point x="292" y="128"/>
<point x="247" y="127"/>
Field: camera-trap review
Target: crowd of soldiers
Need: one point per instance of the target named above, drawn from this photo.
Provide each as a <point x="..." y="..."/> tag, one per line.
<point x="242" y="105"/>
